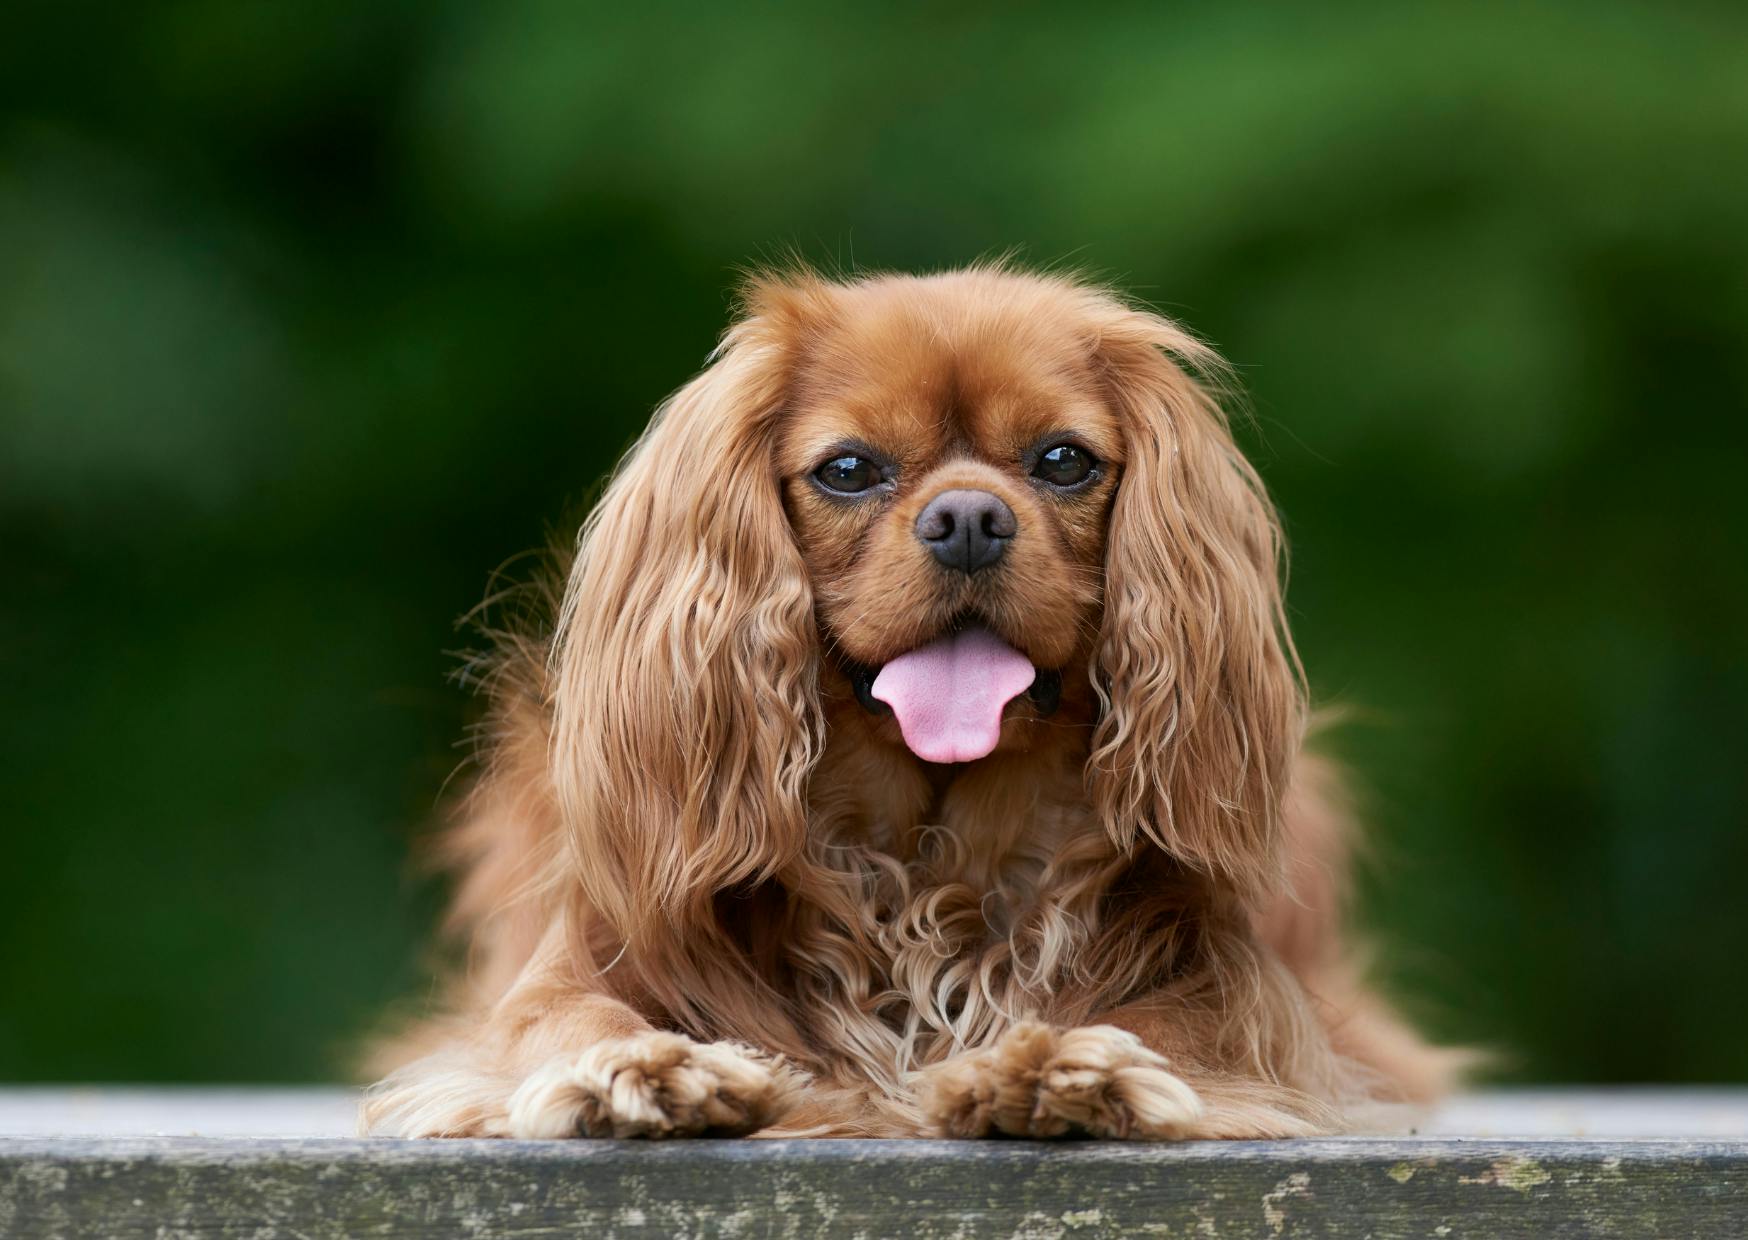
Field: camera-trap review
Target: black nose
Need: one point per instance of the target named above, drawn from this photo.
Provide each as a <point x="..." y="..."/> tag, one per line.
<point x="966" y="530"/>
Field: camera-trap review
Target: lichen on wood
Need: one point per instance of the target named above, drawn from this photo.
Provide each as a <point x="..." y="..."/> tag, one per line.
<point x="214" y="1189"/>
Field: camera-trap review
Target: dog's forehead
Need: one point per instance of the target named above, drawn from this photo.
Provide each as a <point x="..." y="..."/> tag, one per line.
<point x="917" y="384"/>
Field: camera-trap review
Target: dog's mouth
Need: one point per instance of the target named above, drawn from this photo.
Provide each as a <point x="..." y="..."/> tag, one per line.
<point x="949" y="694"/>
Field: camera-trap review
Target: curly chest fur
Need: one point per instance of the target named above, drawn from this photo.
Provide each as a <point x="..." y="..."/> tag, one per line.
<point x="958" y="904"/>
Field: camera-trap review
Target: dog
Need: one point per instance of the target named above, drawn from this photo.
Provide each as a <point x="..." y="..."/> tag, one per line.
<point x="916" y="746"/>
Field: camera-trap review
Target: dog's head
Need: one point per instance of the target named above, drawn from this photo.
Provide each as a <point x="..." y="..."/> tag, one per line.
<point x="949" y="456"/>
<point x="953" y="503"/>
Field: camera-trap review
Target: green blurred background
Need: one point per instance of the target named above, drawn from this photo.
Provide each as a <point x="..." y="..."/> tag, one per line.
<point x="311" y="315"/>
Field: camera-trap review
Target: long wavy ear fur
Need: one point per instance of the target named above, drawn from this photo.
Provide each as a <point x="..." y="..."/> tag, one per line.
<point x="1204" y="702"/>
<point x="684" y="678"/>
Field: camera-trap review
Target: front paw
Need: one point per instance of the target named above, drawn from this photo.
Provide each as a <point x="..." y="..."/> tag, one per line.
<point x="653" y="1085"/>
<point x="1036" y="1081"/>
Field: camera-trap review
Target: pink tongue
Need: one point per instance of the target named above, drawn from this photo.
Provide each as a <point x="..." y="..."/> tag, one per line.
<point x="949" y="694"/>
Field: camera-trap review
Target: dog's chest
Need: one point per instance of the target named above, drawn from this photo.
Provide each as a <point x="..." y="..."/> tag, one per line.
<point x="998" y="835"/>
<point x="974" y="887"/>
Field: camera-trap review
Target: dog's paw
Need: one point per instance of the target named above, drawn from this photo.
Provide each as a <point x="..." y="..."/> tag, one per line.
<point x="1036" y="1081"/>
<point x="653" y="1085"/>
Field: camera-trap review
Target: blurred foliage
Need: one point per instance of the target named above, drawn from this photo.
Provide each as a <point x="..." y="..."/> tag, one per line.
<point x="310" y="315"/>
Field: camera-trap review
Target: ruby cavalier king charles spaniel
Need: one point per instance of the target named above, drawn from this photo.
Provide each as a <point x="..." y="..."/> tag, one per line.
<point x="913" y="745"/>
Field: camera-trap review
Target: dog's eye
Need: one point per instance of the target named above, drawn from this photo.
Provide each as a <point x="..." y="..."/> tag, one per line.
<point x="848" y="475"/>
<point x="1064" y="465"/>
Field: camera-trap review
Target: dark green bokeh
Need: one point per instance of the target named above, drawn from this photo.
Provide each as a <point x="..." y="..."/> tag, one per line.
<point x="311" y="315"/>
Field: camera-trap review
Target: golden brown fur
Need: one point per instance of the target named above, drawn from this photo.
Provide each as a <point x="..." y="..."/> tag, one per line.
<point x="706" y="890"/>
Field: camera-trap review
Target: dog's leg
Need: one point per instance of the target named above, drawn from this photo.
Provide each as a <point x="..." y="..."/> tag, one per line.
<point x="1037" y="1081"/>
<point x="653" y="1084"/>
<point x="1234" y="1049"/>
<point x="554" y="1060"/>
<point x="1102" y="1081"/>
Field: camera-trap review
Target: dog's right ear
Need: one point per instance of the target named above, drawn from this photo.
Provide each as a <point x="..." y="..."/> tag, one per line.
<point x="1204" y="701"/>
<point x="685" y="669"/>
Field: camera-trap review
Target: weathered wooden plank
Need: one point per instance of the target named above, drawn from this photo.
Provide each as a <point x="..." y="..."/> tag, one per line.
<point x="266" y="1111"/>
<point x="1438" y="1187"/>
<point x="177" y="1111"/>
<point x="1578" y="1163"/>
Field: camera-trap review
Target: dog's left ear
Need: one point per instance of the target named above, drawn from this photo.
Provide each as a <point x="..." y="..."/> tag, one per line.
<point x="684" y="672"/>
<point x="1203" y="697"/>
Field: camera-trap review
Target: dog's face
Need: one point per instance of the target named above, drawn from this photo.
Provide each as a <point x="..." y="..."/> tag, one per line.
<point x="951" y="514"/>
<point x="948" y="466"/>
